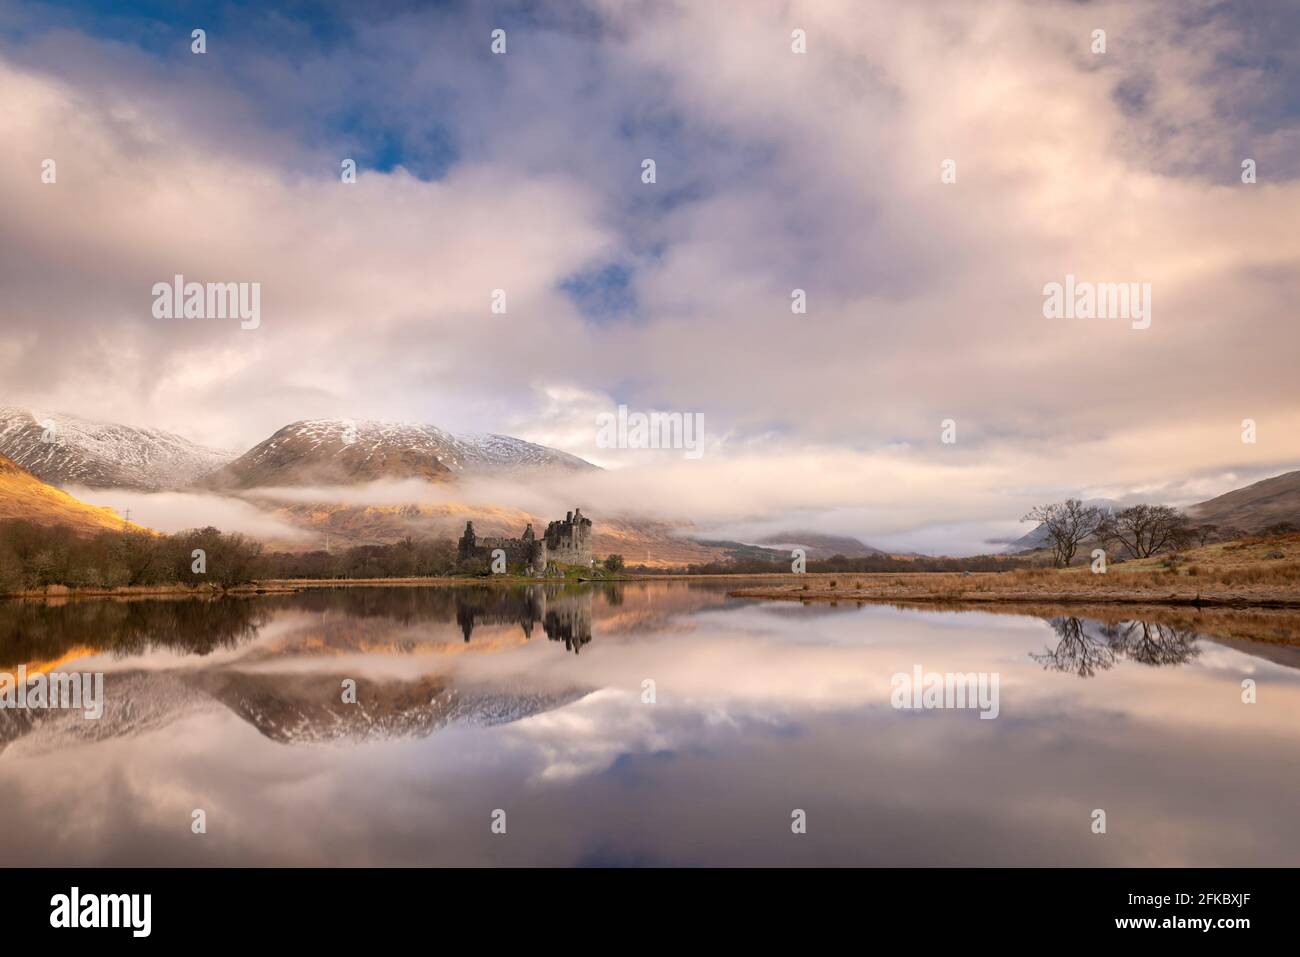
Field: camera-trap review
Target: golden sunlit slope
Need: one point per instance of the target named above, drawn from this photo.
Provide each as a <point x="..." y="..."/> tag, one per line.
<point x="23" y="495"/>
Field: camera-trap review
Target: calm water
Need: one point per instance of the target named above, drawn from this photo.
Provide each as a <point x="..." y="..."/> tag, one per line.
<point x="531" y="701"/>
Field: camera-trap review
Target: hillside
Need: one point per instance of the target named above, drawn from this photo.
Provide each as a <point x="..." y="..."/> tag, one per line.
<point x="1254" y="507"/>
<point x="23" y="495"/>
<point x="324" y="452"/>
<point x="65" y="450"/>
<point x="818" y="545"/>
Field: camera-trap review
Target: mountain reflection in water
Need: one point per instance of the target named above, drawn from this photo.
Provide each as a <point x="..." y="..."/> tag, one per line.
<point x="288" y="707"/>
<point x="682" y="728"/>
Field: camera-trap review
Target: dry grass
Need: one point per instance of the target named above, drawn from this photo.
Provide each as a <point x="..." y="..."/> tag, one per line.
<point x="23" y="496"/>
<point x="1254" y="571"/>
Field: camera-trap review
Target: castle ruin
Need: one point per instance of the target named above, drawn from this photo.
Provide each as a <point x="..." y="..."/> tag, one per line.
<point x="566" y="542"/>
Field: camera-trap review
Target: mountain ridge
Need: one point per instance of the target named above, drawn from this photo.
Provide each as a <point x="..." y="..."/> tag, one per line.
<point x="67" y="450"/>
<point x="1253" y="507"/>
<point x="320" y="452"/>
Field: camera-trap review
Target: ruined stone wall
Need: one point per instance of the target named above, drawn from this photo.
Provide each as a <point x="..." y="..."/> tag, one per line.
<point x="569" y="542"/>
<point x="518" y="551"/>
<point x="566" y="542"/>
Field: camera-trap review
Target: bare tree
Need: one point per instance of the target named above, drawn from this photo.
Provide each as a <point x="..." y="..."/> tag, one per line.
<point x="1067" y="525"/>
<point x="1205" y="532"/>
<point x="1144" y="530"/>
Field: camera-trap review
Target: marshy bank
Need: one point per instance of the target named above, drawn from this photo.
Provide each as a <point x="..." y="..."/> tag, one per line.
<point x="1254" y="573"/>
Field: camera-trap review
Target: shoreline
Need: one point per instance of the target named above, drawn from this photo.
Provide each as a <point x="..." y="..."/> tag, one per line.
<point x="1274" y="628"/>
<point x="283" y="586"/>
<point x="913" y="589"/>
<point x="993" y="589"/>
<point x="1059" y="598"/>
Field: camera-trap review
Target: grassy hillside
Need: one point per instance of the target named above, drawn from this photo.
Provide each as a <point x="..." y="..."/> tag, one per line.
<point x="23" y="495"/>
<point x="1254" y="507"/>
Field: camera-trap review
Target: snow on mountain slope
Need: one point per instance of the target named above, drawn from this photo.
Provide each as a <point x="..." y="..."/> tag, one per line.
<point x="66" y="450"/>
<point x="346" y="452"/>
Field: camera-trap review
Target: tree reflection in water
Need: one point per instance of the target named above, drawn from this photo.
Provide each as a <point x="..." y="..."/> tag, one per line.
<point x="38" y="630"/>
<point x="32" y="631"/>
<point x="1086" y="650"/>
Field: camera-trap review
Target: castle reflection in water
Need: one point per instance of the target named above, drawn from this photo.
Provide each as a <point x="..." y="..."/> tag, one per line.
<point x="564" y="616"/>
<point x="46" y="631"/>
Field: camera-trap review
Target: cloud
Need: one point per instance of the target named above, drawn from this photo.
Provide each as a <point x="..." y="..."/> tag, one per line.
<point x="776" y="171"/>
<point x="178" y="511"/>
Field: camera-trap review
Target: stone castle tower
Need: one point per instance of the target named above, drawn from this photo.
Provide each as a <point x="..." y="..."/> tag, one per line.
<point x="566" y="542"/>
<point x="569" y="542"/>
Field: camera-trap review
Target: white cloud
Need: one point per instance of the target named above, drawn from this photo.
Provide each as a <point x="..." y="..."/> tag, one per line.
<point x="776" y="171"/>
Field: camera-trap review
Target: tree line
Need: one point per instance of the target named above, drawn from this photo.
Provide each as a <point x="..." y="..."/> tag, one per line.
<point x="35" y="556"/>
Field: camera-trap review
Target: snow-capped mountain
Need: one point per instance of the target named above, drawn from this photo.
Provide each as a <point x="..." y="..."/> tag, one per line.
<point x="346" y="452"/>
<point x="66" y="450"/>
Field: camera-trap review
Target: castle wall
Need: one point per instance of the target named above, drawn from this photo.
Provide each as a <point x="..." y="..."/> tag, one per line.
<point x="518" y="551"/>
<point x="566" y="542"/>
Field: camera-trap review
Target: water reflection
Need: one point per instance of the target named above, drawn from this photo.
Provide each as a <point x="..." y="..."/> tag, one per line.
<point x="564" y="614"/>
<point x="1086" y="647"/>
<point x="42" y="631"/>
<point x="462" y="707"/>
<point x="284" y="706"/>
<point x="35" y="631"/>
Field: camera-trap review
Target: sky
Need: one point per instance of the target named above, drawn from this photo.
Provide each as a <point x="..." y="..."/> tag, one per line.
<point x="775" y="170"/>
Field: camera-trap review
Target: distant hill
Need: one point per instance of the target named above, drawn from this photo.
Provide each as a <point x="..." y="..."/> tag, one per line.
<point x="1037" y="537"/>
<point x="65" y="450"/>
<point x="1254" y="507"/>
<point x="1249" y="509"/>
<point x="23" y="495"/>
<point x="323" y="452"/>
<point x="819" y="546"/>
